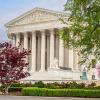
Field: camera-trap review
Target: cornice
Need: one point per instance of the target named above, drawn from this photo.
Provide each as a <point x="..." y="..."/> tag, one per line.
<point x="55" y="13"/>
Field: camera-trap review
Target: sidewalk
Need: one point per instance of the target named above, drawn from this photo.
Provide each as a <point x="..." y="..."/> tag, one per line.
<point x="43" y="98"/>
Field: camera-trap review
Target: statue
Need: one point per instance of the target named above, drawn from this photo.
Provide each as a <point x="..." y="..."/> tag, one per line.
<point x="93" y="76"/>
<point x="84" y="74"/>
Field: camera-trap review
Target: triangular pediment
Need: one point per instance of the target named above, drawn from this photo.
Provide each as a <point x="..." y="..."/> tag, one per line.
<point x="36" y="15"/>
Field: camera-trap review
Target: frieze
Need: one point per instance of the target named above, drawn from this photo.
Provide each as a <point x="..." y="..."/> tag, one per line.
<point x="35" y="17"/>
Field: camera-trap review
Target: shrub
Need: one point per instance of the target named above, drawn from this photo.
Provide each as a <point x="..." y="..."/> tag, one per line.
<point x="92" y="85"/>
<point x="29" y="84"/>
<point x="64" y="85"/>
<point x="54" y="85"/>
<point x="2" y="86"/>
<point x="22" y="84"/>
<point x="60" y="92"/>
<point x="97" y="87"/>
<point x="39" y="84"/>
<point x="82" y="85"/>
<point x="15" y="89"/>
<point x="73" y="85"/>
<point x="17" y="85"/>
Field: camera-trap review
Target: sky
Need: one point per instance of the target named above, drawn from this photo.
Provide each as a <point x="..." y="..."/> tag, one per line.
<point x="10" y="9"/>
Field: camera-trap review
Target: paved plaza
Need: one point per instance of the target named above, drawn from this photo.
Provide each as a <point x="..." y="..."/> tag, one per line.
<point x="43" y="98"/>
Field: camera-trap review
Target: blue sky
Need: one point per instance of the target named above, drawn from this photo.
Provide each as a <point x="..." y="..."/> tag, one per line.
<point x="9" y="9"/>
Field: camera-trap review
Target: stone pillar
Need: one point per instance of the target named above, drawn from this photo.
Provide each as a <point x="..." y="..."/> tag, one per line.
<point x="26" y="40"/>
<point x="38" y="53"/>
<point x="48" y="51"/>
<point x="17" y="39"/>
<point x="61" y="53"/>
<point x="71" y="59"/>
<point x="56" y="47"/>
<point x="10" y="39"/>
<point x="30" y="48"/>
<point x="76" y="65"/>
<point x="14" y="41"/>
<point x="51" y="48"/>
<point x="26" y="43"/>
<point x="66" y="57"/>
<point x="42" y="50"/>
<point x="33" y="68"/>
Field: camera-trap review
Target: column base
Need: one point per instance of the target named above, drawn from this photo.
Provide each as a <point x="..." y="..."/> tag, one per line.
<point x="42" y="70"/>
<point x="31" y="72"/>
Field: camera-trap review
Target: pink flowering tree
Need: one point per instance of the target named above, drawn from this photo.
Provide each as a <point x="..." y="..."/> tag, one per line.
<point x="13" y="65"/>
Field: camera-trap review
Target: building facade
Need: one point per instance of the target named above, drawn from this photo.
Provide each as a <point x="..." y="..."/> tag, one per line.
<point x="36" y="30"/>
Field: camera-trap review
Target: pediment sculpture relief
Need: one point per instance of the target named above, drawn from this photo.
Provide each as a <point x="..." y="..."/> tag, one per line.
<point x="35" y="17"/>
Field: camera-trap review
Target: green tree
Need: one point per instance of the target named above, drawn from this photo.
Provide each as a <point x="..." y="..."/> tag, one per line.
<point x="83" y="32"/>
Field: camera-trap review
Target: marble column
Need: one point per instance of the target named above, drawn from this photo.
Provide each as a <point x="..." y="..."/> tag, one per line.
<point x="26" y="43"/>
<point x="42" y="50"/>
<point x="51" y="48"/>
<point x="26" y="40"/>
<point x="48" y="51"/>
<point x="38" y="52"/>
<point x="66" y="57"/>
<point x="56" y="47"/>
<point x="33" y="68"/>
<point x="61" y="53"/>
<point x="71" y="59"/>
<point x="30" y="48"/>
<point x="11" y="39"/>
<point x="76" y="65"/>
<point x="17" y="39"/>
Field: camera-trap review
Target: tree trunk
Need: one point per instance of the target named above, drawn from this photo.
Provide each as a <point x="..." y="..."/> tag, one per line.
<point x="6" y="89"/>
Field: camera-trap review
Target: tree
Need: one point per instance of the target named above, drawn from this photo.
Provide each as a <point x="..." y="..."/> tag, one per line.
<point x="83" y="32"/>
<point x="12" y="64"/>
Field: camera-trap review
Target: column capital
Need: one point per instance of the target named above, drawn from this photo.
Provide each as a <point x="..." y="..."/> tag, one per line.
<point x="52" y="30"/>
<point x="34" y="31"/>
<point x="25" y="32"/>
<point x="42" y="31"/>
<point x="17" y="33"/>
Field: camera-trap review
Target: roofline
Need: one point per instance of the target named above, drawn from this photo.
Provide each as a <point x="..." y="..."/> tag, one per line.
<point x="36" y="8"/>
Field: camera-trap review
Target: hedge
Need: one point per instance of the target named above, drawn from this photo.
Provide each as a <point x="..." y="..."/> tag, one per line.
<point x="56" y="85"/>
<point x="29" y="91"/>
<point x="15" y="89"/>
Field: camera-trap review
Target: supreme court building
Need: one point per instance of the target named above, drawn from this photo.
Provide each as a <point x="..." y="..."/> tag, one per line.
<point x="37" y="30"/>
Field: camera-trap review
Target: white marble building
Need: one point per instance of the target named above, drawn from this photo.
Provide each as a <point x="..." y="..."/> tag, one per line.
<point x="37" y="31"/>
